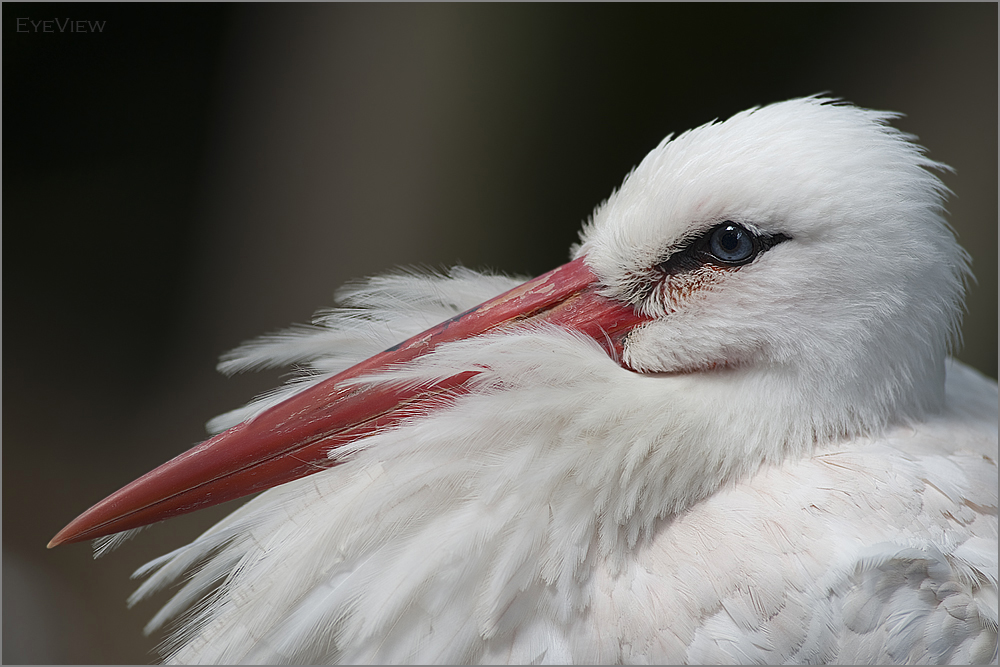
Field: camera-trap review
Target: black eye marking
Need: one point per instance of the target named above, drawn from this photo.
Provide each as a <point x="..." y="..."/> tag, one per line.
<point x="728" y="245"/>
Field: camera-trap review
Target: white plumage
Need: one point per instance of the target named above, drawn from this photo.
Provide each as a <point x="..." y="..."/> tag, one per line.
<point x="777" y="471"/>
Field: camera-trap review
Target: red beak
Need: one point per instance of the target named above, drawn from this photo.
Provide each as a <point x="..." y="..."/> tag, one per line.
<point x="292" y="439"/>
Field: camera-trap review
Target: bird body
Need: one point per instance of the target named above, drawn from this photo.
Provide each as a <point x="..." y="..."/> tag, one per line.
<point x="768" y="458"/>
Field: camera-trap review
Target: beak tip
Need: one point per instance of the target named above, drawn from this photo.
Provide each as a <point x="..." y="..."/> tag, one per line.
<point x="67" y="535"/>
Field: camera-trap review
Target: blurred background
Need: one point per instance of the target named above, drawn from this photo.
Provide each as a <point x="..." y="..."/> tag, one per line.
<point x="195" y="175"/>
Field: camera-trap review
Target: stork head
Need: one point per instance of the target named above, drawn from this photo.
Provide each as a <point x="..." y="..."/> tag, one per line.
<point x="788" y="268"/>
<point x="801" y="244"/>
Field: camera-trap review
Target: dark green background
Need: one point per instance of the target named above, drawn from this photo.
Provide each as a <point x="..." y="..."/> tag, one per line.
<point x="199" y="174"/>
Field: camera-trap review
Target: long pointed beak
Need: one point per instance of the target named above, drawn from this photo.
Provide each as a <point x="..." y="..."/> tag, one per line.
<point x="293" y="439"/>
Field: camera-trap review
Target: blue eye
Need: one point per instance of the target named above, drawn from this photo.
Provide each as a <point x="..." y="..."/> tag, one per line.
<point x="727" y="245"/>
<point x="732" y="244"/>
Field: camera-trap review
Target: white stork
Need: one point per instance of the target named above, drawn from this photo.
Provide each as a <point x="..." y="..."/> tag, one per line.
<point x="726" y="431"/>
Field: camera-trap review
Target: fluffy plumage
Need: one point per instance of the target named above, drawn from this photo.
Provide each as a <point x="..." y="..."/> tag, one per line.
<point x="790" y="478"/>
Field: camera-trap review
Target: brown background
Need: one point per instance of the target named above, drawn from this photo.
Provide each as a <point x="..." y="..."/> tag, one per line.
<point x="199" y="174"/>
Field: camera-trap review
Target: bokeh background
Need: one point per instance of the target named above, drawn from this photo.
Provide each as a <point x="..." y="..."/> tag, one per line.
<point x="195" y="175"/>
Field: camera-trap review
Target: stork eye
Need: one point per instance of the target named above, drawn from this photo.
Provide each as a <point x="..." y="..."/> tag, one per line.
<point x="727" y="245"/>
<point x="732" y="244"/>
